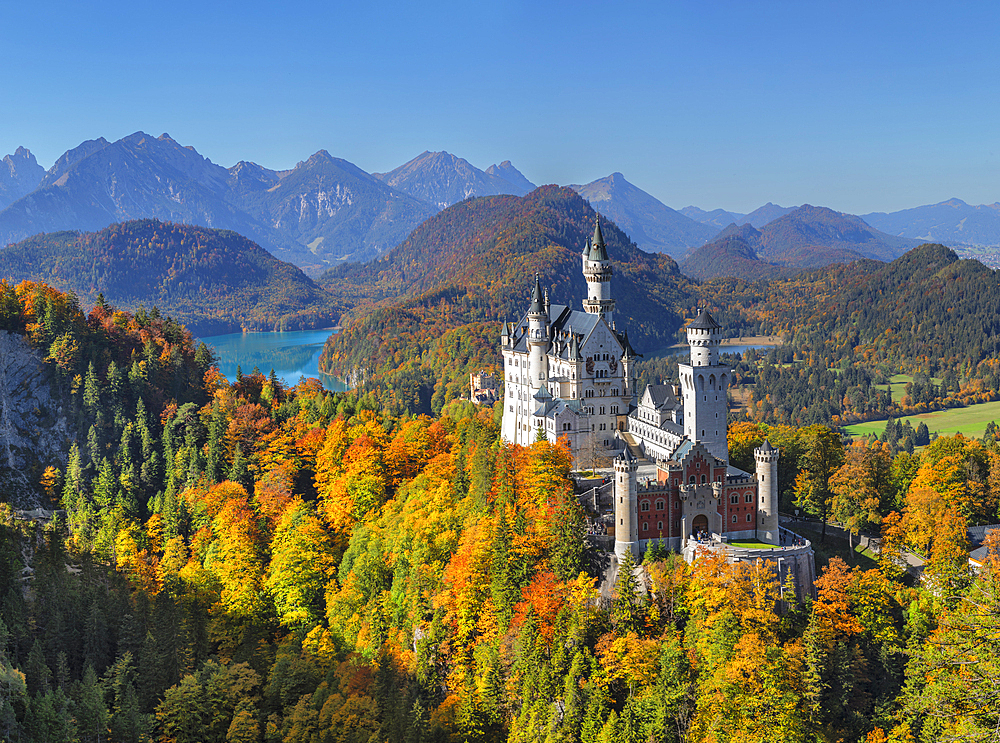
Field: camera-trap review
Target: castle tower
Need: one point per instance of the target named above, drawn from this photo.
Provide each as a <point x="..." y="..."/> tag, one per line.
<point x="704" y="384"/>
<point x="626" y="505"/>
<point x="628" y="359"/>
<point x="597" y="271"/>
<point x="538" y="339"/>
<point x="767" y="493"/>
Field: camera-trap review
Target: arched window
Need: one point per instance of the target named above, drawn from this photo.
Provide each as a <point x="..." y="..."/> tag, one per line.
<point x="645" y="526"/>
<point x="748" y="518"/>
<point x="703" y="479"/>
<point x="734" y="518"/>
<point x="660" y="505"/>
<point x="734" y="499"/>
<point x="749" y="498"/>
<point x="659" y="526"/>
<point x="691" y="480"/>
<point x="645" y="505"/>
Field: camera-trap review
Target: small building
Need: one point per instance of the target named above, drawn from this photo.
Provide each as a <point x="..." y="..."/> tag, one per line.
<point x="483" y="388"/>
<point x="977" y="540"/>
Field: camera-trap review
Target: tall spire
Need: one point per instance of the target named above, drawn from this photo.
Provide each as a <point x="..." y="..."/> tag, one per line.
<point x="598" y="251"/>
<point x="598" y="237"/>
<point x="536" y="298"/>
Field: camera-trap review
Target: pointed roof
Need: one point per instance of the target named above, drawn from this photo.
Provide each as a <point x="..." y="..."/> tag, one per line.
<point x="629" y="351"/>
<point x="543" y="393"/>
<point x="766" y="446"/>
<point x="704" y="321"/>
<point x="574" y="349"/>
<point x="598" y="252"/>
<point x="536" y="298"/>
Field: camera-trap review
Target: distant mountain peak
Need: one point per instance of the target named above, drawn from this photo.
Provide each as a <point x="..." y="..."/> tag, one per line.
<point x="653" y="225"/>
<point x="443" y="179"/>
<point x="512" y="175"/>
<point x="20" y="174"/>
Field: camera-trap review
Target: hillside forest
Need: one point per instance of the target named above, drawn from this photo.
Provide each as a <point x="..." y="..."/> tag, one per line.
<point x="233" y="560"/>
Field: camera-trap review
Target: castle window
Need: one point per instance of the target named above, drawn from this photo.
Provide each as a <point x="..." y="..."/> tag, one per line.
<point x="749" y="497"/>
<point x="660" y="505"/>
<point x="734" y="518"/>
<point x="703" y="479"/>
<point x="659" y="526"/>
<point x="734" y="499"/>
<point x="645" y="526"/>
<point x="748" y="518"/>
<point x="691" y="480"/>
<point x="645" y="505"/>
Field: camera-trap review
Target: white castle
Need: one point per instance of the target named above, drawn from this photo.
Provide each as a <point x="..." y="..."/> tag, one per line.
<point x="567" y="372"/>
<point x="571" y="374"/>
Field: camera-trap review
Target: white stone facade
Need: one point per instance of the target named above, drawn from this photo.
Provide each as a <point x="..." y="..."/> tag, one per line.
<point x="568" y="372"/>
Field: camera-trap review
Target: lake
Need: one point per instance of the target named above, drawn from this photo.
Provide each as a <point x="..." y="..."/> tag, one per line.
<point x="292" y="355"/>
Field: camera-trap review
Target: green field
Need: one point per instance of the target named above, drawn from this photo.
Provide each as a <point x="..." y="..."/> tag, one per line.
<point x="897" y="386"/>
<point x="970" y="421"/>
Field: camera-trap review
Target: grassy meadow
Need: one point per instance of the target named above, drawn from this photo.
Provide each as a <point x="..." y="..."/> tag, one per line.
<point x="970" y="421"/>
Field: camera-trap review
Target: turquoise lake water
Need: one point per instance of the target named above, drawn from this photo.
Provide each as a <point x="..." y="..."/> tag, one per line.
<point x="292" y="355"/>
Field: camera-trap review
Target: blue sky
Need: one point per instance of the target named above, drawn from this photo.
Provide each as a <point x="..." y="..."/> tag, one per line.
<point x="859" y="106"/>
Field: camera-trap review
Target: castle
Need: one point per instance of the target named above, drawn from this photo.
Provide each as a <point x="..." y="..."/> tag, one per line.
<point x="570" y="374"/>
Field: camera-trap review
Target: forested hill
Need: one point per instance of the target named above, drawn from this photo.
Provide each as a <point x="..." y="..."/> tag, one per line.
<point x="483" y="253"/>
<point x="926" y="308"/>
<point x="443" y="291"/>
<point x="928" y="313"/>
<point x="211" y="280"/>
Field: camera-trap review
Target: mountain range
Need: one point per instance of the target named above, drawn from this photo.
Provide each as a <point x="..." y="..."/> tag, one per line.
<point x="721" y="218"/>
<point x="327" y="210"/>
<point x="322" y="211"/>
<point x="803" y="238"/>
<point x="952" y="222"/>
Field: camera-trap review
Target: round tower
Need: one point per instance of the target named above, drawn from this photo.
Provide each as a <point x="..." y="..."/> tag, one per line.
<point x="704" y="336"/>
<point x="766" y="457"/>
<point x="597" y="272"/>
<point x="538" y="339"/>
<point x="704" y="385"/>
<point x="626" y="505"/>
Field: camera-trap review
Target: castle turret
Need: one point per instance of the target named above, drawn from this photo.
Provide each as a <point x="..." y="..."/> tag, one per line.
<point x="597" y="272"/>
<point x="626" y="504"/>
<point x="538" y="339"/>
<point x="705" y="383"/>
<point x="628" y="359"/>
<point x="766" y="457"/>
